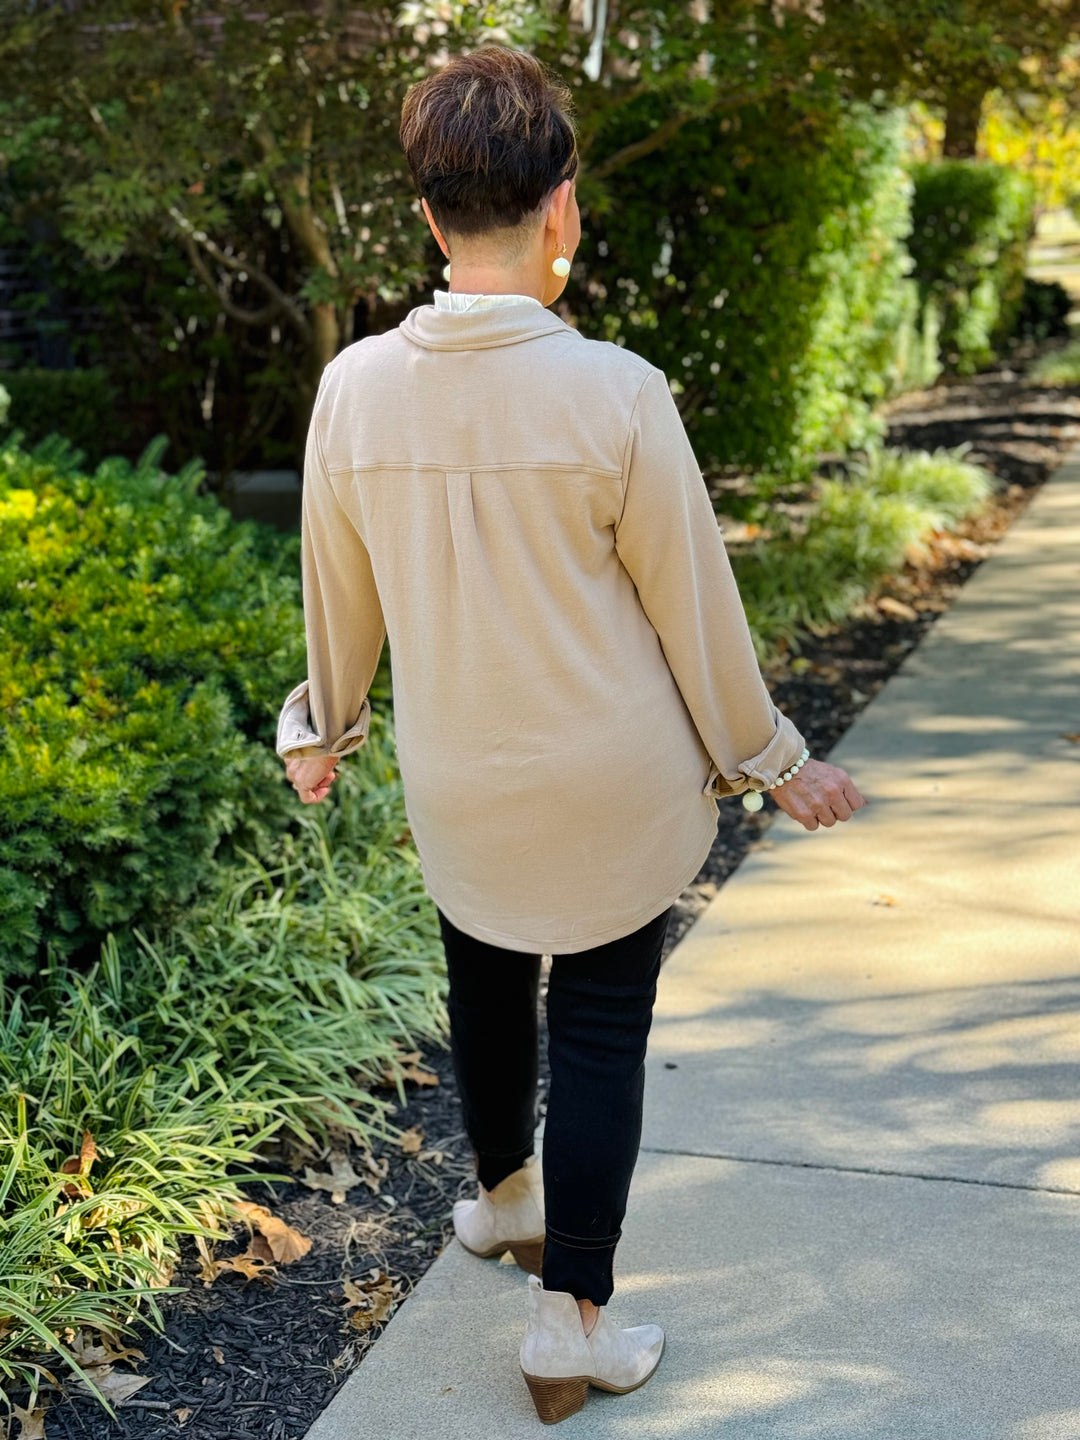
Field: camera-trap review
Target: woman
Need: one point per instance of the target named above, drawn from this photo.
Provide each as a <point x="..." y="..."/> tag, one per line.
<point x="519" y="510"/>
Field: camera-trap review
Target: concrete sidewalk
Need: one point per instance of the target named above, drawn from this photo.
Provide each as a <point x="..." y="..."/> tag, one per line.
<point x="857" y="1210"/>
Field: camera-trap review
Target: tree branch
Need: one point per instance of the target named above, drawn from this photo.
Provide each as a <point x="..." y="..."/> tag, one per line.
<point x="279" y="302"/>
<point x="237" y="312"/>
<point x="671" y="126"/>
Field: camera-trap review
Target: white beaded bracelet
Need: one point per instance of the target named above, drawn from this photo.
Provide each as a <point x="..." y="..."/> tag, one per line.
<point x="752" y="798"/>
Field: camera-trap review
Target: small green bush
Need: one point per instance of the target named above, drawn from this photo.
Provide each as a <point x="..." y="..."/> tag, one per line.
<point x="917" y="362"/>
<point x="83" y="403"/>
<point x="1045" y="307"/>
<point x="815" y="573"/>
<point x="148" y="641"/>
<point x="1060" y="367"/>
<point x="276" y="1001"/>
<point x="972" y="221"/>
<point x="759" y="261"/>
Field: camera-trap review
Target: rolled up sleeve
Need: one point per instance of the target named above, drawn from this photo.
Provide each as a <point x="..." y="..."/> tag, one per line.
<point x="668" y="539"/>
<point x="329" y="713"/>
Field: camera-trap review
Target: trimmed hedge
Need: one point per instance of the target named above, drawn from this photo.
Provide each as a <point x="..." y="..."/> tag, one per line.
<point x="759" y="261"/>
<point x="972" y="223"/>
<point x="148" y="640"/>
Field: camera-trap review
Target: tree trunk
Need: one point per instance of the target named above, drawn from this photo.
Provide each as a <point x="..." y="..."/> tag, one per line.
<point x="963" y="109"/>
<point x="325" y="342"/>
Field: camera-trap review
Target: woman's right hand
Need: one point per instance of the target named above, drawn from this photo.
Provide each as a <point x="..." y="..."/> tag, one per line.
<point x="820" y="794"/>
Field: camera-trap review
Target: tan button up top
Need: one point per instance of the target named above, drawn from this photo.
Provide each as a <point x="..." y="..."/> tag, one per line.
<point x="518" y="510"/>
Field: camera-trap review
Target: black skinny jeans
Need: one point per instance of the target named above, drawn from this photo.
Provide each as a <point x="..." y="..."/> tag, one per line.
<point x="599" y="1011"/>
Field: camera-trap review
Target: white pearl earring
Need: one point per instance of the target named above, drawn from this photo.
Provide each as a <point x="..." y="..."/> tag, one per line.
<point x="560" y="266"/>
<point x="446" y="271"/>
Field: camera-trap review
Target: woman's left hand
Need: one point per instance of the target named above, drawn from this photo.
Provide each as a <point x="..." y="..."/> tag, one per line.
<point x="312" y="776"/>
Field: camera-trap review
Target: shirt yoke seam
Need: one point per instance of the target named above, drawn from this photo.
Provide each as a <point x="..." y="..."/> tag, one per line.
<point x="440" y="468"/>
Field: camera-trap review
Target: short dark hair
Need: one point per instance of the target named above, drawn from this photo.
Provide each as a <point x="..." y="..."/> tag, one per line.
<point x="487" y="138"/>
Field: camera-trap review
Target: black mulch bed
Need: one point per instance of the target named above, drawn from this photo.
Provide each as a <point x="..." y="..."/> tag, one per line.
<point x="263" y="1357"/>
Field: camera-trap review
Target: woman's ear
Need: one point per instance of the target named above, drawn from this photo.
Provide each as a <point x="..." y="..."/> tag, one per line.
<point x="560" y="198"/>
<point x="434" y="228"/>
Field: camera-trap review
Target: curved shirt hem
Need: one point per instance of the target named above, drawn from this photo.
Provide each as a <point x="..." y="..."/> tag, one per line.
<point x="565" y="947"/>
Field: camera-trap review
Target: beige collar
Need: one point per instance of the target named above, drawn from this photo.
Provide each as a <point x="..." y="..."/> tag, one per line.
<point x="519" y="318"/>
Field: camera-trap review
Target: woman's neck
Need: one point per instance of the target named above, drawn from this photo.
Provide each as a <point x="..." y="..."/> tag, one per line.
<point x="530" y="277"/>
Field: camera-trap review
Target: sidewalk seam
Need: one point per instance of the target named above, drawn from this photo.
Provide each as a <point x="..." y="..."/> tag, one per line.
<point x="862" y="1170"/>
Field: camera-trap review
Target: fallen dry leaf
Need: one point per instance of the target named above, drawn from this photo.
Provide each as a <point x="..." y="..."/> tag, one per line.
<point x="183" y="1415"/>
<point x="286" y="1244"/>
<point x="116" y="1385"/>
<point x="411" y="1140"/>
<point x="960" y="547"/>
<point x="1074" y="738"/>
<point x="32" y="1423"/>
<point x="120" y="1209"/>
<point x="106" y="1350"/>
<point x="254" y="1263"/>
<point x="375" y="1171"/>
<point x="218" y="1354"/>
<point x="897" y="608"/>
<point x="342" y="1177"/>
<point x="88" y="1153"/>
<point x="370" y="1301"/>
<point x="883" y="900"/>
<point x="409" y="1069"/>
<point x="76" y="1188"/>
<point x="79" y="1167"/>
<point x="259" y="1249"/>
<point x="162" y="1274"/>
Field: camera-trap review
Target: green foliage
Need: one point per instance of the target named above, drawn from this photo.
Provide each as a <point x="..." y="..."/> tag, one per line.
<point x="917" y="362"/>
<point x="310" y="961"/>
<point x="759" y="261"/>
<point x="858" y="530"/>
<point x="148" y="640"/>
<point x="276" y="1002"/>
<point x="84" y="402"/>
<point x="1059" y="367"/>
<point x="233" y="187"/>
<point x="95" y="1250"/>
<point x="972" y="222"/>
<point x="1044" y="311"/>
<point x="200" y="181"/>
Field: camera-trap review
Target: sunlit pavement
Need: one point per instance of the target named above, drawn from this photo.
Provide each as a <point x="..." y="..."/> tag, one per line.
<point x="857" y="1210"/>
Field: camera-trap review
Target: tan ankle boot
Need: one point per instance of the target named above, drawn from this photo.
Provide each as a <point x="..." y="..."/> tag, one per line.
<point x="510" y="1217"/>
<point x="560" y="1362"/>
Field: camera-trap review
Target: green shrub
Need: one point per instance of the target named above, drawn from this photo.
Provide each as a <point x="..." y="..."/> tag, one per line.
<point x="814" y="574"/>
<point x="148" y="641"/>
<point x="275" y="1002"/>
<point x="1045" y="307"/>
<point x="307" y="965"/>
<point x="972" y="223"/>
<point x="759" y="261"/>
<point x="96" y="1250"/>
<point x="84" y="404"/>
<point x="1060" y="367"/>
<point x="169" y="359"/>
<point x="917" y="361"/>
